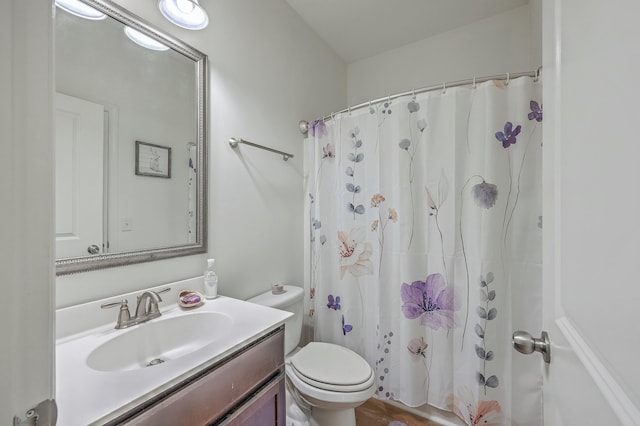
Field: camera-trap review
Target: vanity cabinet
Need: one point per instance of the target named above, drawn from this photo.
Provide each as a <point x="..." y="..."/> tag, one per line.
<point x="246" y="388"/>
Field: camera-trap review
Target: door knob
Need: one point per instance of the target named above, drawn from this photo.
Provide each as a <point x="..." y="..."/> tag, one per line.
<point x="93" y="249"/>
<point x="525" y="343"/>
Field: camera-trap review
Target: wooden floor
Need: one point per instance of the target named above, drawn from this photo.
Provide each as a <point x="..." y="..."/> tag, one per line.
<point x="377" y="413"/>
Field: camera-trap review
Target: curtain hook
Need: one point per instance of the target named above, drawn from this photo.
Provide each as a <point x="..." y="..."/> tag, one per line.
<point x="444" y="88"/>
<point x="508" y="78"/>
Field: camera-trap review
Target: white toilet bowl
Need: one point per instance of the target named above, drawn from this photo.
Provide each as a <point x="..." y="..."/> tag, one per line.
<point x="329" y="378"/>
<point x="333" y="380"/>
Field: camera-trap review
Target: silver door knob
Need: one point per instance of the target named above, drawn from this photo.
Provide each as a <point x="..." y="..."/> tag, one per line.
<point x="525" y="343"/>
<point x="93" y="249"/>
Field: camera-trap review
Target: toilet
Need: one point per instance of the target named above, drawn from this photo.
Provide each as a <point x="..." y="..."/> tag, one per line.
<point x="330" y="379"/>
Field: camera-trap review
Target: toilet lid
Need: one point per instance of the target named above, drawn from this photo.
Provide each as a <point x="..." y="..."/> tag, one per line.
<point x="332" y="367"/>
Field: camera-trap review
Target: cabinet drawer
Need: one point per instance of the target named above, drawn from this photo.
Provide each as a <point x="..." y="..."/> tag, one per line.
<point x="212" y="393"/>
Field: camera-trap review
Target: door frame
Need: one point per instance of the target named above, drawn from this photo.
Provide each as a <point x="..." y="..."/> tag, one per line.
<point x="27" y="252"/>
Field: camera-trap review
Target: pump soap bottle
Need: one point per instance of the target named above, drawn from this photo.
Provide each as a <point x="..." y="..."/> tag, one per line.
<point x="210" y="281"/>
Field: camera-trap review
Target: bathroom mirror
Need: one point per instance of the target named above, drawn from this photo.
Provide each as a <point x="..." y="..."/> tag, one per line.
<point x="131" y="142"/>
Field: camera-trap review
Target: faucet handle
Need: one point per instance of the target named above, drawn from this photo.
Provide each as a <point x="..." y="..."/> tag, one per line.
<point x="123" y="304"/>
<point x="124" y="316"/>
<point x="164" y="290"/>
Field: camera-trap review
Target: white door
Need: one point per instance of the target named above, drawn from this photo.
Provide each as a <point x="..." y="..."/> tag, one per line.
<point x="79" y="130"/>
<point x="592" y="211"/>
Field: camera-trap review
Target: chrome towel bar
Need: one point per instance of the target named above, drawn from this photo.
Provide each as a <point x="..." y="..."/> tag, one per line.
<point x="234" y="142"/>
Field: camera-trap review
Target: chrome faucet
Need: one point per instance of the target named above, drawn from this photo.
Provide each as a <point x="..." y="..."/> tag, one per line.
<point x="146" y="308"/>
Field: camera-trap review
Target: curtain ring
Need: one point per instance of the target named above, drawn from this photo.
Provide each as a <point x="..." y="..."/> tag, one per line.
<point x="389" y="99"/>
<point x="537" y="77"/>
<point x="349" y="111"/>
<point x="506" y="83"/>
<point x="413" y="93"/>
<point x="474" y="81"/>
<point x="444" y="88"/>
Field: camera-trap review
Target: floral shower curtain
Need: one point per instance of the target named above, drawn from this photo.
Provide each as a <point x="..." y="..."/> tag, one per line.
<point x="425" y="245"/>
<point x="191" y="195"/>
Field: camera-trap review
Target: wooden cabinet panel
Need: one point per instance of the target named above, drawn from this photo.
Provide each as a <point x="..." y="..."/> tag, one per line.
<point x="265" y="408"/>
<point x="250" y="379"/>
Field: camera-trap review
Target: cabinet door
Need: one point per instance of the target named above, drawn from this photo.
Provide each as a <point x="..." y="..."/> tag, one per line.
<point x="222" y="391"/>
<point x="265" y="408"/>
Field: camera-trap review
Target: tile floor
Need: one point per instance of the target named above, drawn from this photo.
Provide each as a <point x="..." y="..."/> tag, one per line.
<point x="377" y="413"/>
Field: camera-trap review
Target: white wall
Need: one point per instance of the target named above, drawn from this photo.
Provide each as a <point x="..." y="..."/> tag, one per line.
<point x="267" y="71"/>
<point x="500" y="44"/>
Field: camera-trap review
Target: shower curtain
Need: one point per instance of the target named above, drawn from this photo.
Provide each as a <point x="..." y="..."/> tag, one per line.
<point x="191" y="192"/>
<point x="424" y="248"/>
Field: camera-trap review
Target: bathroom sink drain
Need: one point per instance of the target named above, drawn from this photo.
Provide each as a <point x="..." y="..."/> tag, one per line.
<point x="155" y="361"/>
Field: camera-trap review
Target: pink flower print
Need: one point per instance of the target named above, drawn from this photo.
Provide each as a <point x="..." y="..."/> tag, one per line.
<point x="473" y="412"/>
<point x="377" y="199"/>
<point x="393" y="215"/>
<point x="417" y="348"/>
<point x="355" y="253"/>
<point x="328" y="151"/>
<point x="431" y="301"/>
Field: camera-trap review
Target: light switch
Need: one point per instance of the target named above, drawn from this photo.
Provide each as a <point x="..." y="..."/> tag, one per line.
<point x="125" y="225"/>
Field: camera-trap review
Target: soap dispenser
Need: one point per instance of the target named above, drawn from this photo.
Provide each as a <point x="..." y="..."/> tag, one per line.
<point x="210" y="281"/>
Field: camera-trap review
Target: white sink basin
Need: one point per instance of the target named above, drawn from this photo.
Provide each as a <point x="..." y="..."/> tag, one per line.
<point x="158" y="341"/>
<point x="102" y="373"/>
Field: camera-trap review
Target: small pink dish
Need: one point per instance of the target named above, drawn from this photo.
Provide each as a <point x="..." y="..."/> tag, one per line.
<point x="190" y="299"/>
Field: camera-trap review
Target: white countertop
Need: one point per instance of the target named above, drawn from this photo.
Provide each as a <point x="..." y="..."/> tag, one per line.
<point x="87" y="396"/>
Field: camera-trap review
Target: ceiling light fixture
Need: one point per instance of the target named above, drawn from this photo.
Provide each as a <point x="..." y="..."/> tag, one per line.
<point x="184" y="13"/>
<point x="144" y="40"/>
<point x="76" y="7"/>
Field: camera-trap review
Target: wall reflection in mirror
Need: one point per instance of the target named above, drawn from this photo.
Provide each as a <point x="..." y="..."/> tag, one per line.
<point x="130" y="142"/>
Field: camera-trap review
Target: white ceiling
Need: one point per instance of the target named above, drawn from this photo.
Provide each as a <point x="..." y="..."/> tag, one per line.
<point x="357" y="29"/>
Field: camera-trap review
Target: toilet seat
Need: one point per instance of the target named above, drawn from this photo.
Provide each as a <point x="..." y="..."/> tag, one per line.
<point x="332" y="368"/>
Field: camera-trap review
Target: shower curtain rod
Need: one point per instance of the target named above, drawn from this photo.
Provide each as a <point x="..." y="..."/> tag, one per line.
<point x="304" y="125"/>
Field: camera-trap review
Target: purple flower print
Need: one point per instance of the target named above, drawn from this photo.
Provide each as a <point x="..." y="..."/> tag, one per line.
<point x="346" y="327"/>
<point x="485" y="194"/>
<point x="333" y="303"/>
<point x="536" y="111"/>
<point x="317" y="128"/>
<point x="508" y="137"/>
<point x="431" y="301"/>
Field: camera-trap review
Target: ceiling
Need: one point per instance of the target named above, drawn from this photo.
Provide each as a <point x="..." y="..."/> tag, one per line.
<point x="357" y="29"/>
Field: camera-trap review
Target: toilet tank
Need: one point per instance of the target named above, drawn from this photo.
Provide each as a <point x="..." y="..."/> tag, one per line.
<point x="291" y="300"/>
